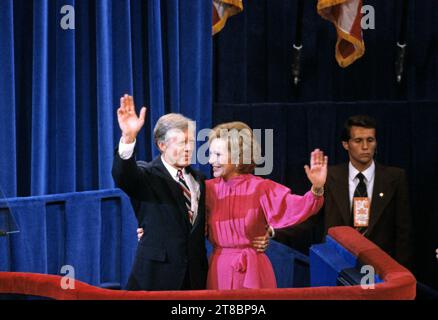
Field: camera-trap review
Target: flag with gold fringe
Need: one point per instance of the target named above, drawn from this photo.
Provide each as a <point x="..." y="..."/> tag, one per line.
<point x="222" y="10"/>
<point x="346" y="15"/>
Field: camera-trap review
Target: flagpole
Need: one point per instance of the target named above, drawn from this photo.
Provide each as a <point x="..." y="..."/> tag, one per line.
<point x="401" y="44"/>
<point x="297" y="45"/>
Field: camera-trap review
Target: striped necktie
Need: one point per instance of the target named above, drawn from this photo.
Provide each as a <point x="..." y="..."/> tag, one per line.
<point x="187" y="195"/>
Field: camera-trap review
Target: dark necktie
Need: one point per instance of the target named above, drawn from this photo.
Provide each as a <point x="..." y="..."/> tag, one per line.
<point x="361" y="189"/>
<point x="187" y="194"/>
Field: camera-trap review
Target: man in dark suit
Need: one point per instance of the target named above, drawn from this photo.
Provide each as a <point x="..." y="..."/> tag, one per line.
<point x="367" y="195"/>
<point x="168" y="198"/>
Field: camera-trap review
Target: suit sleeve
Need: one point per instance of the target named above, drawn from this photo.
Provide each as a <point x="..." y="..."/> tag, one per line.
<point x="128" y="176"/>
<point x="404" y="249"/>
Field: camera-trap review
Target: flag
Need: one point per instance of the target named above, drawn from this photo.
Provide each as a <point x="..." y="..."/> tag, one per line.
<point x="222" y="10"/>
<point x="346" y="15"/>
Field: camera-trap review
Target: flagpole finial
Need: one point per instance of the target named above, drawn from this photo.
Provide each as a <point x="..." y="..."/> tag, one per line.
<point x="400" y="61"/>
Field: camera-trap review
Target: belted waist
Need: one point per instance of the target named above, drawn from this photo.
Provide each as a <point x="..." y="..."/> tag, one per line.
<point x="226" y="250"/>
<point x="246" y="258"/>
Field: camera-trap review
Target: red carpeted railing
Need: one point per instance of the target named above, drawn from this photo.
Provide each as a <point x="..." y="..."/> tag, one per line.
<point x="398" y="283"/>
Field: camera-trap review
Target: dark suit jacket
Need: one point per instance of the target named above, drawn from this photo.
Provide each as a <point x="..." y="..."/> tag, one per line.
<point x="390" y="220"/>
<point x="170" y="246"/>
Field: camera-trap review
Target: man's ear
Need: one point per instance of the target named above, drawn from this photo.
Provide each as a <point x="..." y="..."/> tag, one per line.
<point x="345" y="145"/>
<point x="162" y="146"/>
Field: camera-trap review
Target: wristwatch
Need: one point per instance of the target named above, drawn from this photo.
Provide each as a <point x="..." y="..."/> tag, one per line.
<point x="318" y="192"/>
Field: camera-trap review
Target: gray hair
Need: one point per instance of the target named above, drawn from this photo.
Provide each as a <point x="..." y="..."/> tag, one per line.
<point x="168" y="122"/>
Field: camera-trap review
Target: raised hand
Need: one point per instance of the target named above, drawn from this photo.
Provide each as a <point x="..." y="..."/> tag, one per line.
<point x="317" y="172"/>
<point x="129" y="123"/>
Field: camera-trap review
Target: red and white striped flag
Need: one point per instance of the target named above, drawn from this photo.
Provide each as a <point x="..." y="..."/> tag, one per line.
<point x="346" y="16"/>
<point x="222" y="10"/>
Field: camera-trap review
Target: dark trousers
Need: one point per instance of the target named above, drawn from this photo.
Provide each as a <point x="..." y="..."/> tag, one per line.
<point x="186" y="283"/>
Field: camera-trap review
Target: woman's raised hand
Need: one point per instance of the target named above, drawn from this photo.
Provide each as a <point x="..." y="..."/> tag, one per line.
<point x="317" y="172"/>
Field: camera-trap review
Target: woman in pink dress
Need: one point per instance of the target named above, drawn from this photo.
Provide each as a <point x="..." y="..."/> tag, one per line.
<point x="241" y="205"/>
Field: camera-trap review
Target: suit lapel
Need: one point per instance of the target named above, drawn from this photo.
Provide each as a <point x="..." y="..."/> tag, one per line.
<point x="175" y="191"/>
<point x="341" y="194"/>
<point x="382" y="193"/>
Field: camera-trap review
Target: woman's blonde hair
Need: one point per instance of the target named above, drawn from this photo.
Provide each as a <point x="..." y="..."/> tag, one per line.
<point x="243" y="147"/>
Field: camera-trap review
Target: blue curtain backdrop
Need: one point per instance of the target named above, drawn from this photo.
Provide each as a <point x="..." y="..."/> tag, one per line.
<point x="59" y="89"/>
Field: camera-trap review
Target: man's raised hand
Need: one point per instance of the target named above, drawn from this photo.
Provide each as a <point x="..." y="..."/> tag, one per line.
<point x="129" y="123"/>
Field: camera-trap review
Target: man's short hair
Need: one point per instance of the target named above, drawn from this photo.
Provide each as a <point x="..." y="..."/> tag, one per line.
<point x="363" y="121"/>
<point x="168" y="122"/>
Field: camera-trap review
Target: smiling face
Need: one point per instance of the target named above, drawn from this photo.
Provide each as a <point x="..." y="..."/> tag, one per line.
<point x="220" y="160"/>
<point x="361" y="147"/>
<point x="178" y="148"/>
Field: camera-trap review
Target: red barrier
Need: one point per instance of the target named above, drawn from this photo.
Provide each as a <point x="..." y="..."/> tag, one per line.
<point x="398" y="283"/>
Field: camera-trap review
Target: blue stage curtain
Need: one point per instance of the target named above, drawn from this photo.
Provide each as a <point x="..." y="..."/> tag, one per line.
<point x="8" y="145"/>
<point x="60" y="89"/>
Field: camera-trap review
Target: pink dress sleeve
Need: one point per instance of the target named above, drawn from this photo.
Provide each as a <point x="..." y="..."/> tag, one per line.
<point x="283" y="209"/>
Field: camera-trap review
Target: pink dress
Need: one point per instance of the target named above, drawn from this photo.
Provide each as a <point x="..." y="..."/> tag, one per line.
<point x="239" y="210"/>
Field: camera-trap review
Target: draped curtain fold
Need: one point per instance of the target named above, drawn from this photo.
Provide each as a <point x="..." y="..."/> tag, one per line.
<point x="60" y="89"/>
<point x="8" y="165"/>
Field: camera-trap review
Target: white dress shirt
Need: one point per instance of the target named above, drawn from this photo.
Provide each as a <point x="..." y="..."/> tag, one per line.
<point x="126" y="151"/>
<point x="353" y="181"/>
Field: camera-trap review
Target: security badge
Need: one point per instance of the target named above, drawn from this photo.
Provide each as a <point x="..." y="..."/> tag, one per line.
<point x="361" y="211"/>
